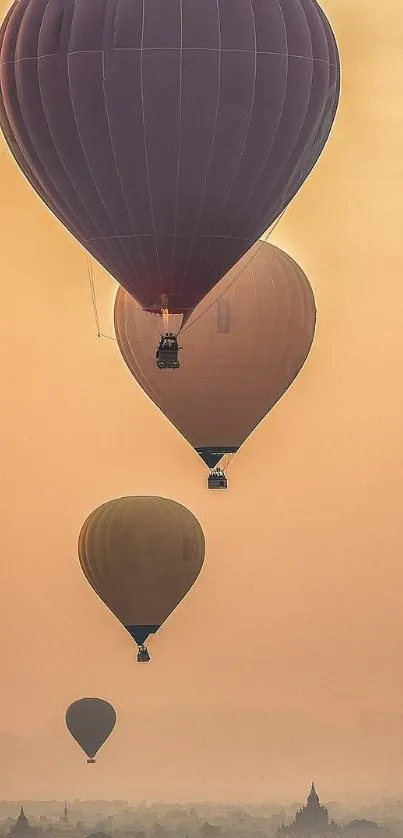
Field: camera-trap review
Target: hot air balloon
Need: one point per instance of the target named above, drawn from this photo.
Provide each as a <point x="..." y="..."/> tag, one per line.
<point x="167" y="135"/>
<point x="245" y="344"/>
<point x="141" y="555"/>
<point x="90" y="721"/>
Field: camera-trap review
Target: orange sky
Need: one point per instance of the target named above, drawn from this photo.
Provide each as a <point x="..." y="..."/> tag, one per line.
<point x="285" y="662"/>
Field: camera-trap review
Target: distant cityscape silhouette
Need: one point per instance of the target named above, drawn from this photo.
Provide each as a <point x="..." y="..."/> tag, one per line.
<point x="116" y="819"/>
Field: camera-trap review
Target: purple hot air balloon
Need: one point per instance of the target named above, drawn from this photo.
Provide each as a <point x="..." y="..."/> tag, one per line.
<point x="167" y="135"/>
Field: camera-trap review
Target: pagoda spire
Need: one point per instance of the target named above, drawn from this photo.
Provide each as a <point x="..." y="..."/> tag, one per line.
<point x="313" y="799"/>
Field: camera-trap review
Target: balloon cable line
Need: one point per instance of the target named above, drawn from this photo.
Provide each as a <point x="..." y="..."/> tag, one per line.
<point x="274" y="225"/>
<point x="94" y="299"/>
<point x="224" y="291"/>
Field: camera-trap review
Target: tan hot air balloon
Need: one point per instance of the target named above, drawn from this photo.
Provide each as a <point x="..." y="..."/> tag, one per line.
<point x="141" y="555"/>
<point x="244" y="346"/>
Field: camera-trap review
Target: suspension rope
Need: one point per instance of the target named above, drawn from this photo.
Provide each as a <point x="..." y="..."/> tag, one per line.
<point x="93" y="295"/>
<point x="94" y="300"/>
<point x="274" y="225"/>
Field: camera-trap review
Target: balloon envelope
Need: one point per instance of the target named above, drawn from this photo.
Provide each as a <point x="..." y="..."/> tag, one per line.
<point x="242" y="348"/>
<point x="141" y="555"/>
<point x="90" y="721"/>
<point x="166" y="135"/>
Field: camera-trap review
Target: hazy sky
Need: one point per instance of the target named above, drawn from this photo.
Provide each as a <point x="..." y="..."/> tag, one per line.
<point x="285" y="662"/>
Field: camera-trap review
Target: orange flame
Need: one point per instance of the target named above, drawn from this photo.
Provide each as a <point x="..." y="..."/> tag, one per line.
<point x="165" y="318"/>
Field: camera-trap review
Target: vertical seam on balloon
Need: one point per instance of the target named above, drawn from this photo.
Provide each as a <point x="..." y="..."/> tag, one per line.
<point x="305" y="305"/>
<point x="280" y="116"/>
<point x="286" y="199"/>
<point x="113" y="148"/>
<point x="117" y="167"/>
<point x="31" y="177"/>
<point x="106" y="516"/>
<point x="293" y="333"/>
<point x="281" y="283"/>
<point x="85" y="559"/>
<point x="291" y="348"/>
<point x="238" y="166"/>
<point x="307" y="299"/>
<point x="116" y="255"/>
<point x="232" y="300"/>
<point x="329" y="35"/>
<point x="301" y="281"/>
<point x="288" y="345"/>
<point x="286" y="189"/>
<point x="124" y="343"/>
<point x="145" y="139"/>
<point x="104" y="575"/>
<point x="290" y="330"/>
<point x="179" y="146"/>
<point x="177" y="520"/>
<point x="271" y="357"/>
<point x="301" y="299"/>
<point x="210" y="158"/>
<point x="308" y="328"/>
<point x="275" y="313"/>
<point x="280" y="203"/>
<point x="142" y="382"/>
<point x="280" y="206"/>
<point x="11" y="139"/>
<point x="301" y="289"/>
<point x="256" y="308"/>
<point x="41" y="164"/>
<point x="95" y="573"/>
<point x="77" y="224"/>
<point x="328" y="32"/>
<point x="86" y="159"/>
<point x="310" y="295"/>
<point x="59" y="210"/>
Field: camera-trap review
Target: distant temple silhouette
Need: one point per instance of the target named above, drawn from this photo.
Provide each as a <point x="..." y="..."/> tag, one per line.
<point x="21" y="826"/>
<point x="310" y="820"/>
<point x="65" y="818"/>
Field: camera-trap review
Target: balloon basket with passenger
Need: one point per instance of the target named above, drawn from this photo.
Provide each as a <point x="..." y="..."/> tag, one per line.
<point x="217" y="479"/>
<point x="143" y="655"/>
<point x="167" y="354"/>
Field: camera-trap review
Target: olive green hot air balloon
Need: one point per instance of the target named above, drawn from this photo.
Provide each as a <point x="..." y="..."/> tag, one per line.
<point x="141" y="555"/>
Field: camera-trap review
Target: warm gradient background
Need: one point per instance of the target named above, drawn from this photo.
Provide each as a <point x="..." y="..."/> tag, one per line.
<point x="285" y="662"/>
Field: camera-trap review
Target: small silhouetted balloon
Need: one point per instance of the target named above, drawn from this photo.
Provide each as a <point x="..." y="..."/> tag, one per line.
<point x="90" y="721"/>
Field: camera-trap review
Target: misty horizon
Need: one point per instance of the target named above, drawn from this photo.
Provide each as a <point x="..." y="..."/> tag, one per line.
<point x="385" y="816"/>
